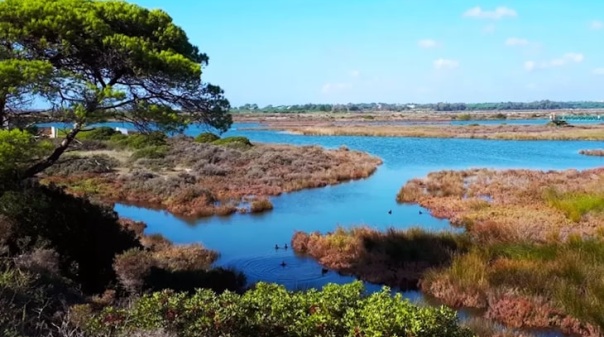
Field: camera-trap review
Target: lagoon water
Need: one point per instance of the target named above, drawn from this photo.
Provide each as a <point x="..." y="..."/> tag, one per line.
<point x="247" y="242"/>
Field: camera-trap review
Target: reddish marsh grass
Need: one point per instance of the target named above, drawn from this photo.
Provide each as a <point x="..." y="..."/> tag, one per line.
<point x="597" y="153"/>
<point x="194" y="179"/>
<point x="537" y="259"/>
<point x="556" y="285"/>
<point x="514" y="204"/>
<point x="396" y="258"/>
<point x="512" y="132"/>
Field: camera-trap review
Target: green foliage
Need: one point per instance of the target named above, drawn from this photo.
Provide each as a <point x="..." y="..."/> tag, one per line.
<point x="100" y="134"/>
<point x="271" y="310"/>
<point x="575" y="205"/>
<point x="206" y="137"/>
<point x="18" y="78"/>
<point x="241" y="142"/>
<point x="140" y="141"/>
<point x="464" y="117"/>
<point x="17" y="149"/>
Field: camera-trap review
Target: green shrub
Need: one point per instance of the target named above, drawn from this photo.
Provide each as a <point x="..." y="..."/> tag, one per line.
<point x="150" y="152"/>
<point x="233" y="141"/>
<point x="100" y="133"/>
<point x="206" y="137"/>
<point x="464" y="117"/>
<point x="139" y="141"/>
<point x="270" y="310"/>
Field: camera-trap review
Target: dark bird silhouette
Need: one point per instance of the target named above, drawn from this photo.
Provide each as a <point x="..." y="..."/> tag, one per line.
<point x="283" y="264"/>
<point x="420" y="213"/>
<point x="390" y="212"/>
<point x="285" y="247"/>
<point x="276" y="247"/>
<point x="324" y="271"/>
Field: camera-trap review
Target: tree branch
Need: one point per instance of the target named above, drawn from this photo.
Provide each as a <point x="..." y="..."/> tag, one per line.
<point x="56" y="154"/>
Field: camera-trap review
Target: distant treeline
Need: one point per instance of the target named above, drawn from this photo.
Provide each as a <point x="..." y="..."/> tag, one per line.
<point x="441" y="106"/>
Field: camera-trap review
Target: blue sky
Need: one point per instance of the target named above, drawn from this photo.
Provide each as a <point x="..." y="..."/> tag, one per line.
<point x="397" y="51"/>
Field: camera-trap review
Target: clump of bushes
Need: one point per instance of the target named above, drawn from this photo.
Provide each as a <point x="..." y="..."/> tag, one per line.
<point x="270" y="310"/>
<point x="238" y="142"/>
<point x="598" y="153"/>
<point x="261" y="205"/>
<point x="78" y="165"/>
<point x="102" y="133"/>
<point x="139" y="140"/>
<point x="206" y="137"/>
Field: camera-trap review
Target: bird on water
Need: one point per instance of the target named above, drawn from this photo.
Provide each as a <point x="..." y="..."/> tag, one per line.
<point x="390" y="212"/>
<point x="283" y="264"/>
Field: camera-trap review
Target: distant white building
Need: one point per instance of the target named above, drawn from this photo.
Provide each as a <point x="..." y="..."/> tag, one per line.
<point x="123" y="131"/>
<point x="49" y="132"/>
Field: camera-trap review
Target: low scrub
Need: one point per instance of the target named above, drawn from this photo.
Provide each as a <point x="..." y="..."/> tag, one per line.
<point x="238" y="142"/>
<point x="261" y="205"/>
<point x="74" y="164"/>
<point x="271" y="311"/>
<point x="201" y="179"/>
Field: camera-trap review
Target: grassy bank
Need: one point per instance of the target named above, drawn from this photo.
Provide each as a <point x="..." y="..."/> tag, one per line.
<point x="507" y="132"/>
<point x="201" y="177"/>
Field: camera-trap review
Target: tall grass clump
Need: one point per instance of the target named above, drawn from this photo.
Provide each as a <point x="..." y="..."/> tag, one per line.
<point x="569" y="274"/>
<point x="575" y="205"/>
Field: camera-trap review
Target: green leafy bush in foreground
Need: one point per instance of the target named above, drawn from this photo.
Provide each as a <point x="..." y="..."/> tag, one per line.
<point x="271" y="310"/>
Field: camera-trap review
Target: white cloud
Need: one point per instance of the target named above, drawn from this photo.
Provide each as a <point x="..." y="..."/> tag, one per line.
<point x="597" y="25"/>
<point x="355" y="73"/>
<point x="598" y="71"/>
<point x="557" y="62"/>
<point x="496" y="14"/>
<point x="334" y="87"/>
<point x="427" y="43"/>
<point x="529" y="65"/>
<point x="516" y="42"/>
<point x="445" y="64"/>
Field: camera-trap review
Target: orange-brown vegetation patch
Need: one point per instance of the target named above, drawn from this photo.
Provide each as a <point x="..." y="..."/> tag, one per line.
<point x="509" y="132"/>
<point x="597" y="153"/>
<point x="194" y="179"/>
<point x="395" y="257"/>
<point x="537" y="255"/>
<point x="514" y="204"/>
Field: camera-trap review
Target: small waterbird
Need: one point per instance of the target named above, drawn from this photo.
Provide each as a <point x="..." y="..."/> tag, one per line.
<point x="283" y="264"/>
<point x="285" y="247"/>
<point x="390" y="212"/>
<point x="276" y="247"/>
